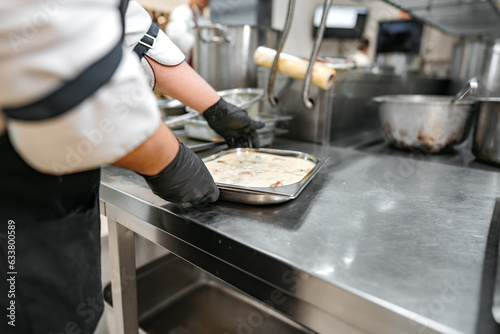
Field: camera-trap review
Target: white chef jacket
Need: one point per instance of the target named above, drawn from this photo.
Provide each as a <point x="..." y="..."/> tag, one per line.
<point x="183" y="20"/>
<point x="360" y="59"/>
<point x="45" y="42"/>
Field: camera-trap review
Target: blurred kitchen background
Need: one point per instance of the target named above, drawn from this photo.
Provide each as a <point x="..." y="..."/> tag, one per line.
<point x="430" y="47"/>
<point x="436" y="51"/>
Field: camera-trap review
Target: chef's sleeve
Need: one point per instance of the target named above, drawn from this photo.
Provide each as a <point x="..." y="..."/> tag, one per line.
<point x="164" y="51"/>
<point x="43" y="45"/>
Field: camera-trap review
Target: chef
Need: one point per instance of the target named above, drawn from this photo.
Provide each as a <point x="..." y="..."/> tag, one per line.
<point x="182" y="23"/>
<point x="73" y="96"/>
<point x="360" y="55"/>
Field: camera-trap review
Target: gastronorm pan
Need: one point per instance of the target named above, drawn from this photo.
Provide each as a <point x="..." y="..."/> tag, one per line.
<point x="266" y="195"/>
<point x="171" y="107"/>
<point x="198" y="128"/>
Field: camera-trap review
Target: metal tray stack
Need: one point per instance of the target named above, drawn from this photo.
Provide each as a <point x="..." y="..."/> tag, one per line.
<point x="455" y="17"/>
<point x="198" y="128"/>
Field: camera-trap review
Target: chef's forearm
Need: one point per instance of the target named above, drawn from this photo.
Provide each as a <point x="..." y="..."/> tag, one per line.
<point x="153" y="155"/>
<point x="188" y="86"/>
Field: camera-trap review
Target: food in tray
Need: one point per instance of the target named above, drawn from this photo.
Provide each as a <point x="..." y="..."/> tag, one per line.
<point x="255" y="169"/>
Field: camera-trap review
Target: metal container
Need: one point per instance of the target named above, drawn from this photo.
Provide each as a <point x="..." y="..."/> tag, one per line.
<point x="353" y="111"/>
<point x="468" y="60"/>
<point x="429" y="123"/>
<point x="268" y="195"/>
<point x="477" y="57"/>
<point x="171" y="107"/>
<point x="490" y="70"/>
<point x="177" y="297"/>
<point x="486" y="145"/>
<point x="245" y="98"/>
<point x="223" y="55"/>
<point x="198" y="128"/>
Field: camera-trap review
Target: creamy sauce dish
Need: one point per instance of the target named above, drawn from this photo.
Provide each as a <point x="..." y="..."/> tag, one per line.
<point x="254" y="169"/>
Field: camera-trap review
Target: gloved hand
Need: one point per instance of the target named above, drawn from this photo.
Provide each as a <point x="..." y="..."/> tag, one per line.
<point x="185" y="179"/>
<point x="233" y="124"/>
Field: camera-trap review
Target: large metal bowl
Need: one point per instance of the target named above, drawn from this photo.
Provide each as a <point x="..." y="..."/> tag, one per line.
<point x="425" y="122"/>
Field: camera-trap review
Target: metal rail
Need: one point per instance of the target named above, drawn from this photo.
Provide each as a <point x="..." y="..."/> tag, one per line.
<point x="306" y="100"/>
<point x="274" y="68"/>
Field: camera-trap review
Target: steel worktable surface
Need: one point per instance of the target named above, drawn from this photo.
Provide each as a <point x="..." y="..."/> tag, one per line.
<point x="374" y="244"/>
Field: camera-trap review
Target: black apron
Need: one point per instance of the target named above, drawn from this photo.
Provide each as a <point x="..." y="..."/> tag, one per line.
<point x="57" y="280"/>
<point x="54" y="285"/>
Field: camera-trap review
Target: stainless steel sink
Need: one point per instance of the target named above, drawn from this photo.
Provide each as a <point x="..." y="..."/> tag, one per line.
<point x="176" y="297"/>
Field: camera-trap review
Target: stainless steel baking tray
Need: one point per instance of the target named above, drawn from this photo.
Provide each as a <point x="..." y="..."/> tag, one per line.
<point x="261" y="196"/>
<point x="198" y="128"/>
<point x="193" y="144"/>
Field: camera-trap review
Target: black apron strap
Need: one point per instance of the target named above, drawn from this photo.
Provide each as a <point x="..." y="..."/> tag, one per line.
<point x="147" y="42"/>
<point x="72" y="92"/>
<point x="123" y="9"/>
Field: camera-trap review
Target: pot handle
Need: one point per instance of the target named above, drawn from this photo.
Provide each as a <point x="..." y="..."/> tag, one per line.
<point x="471" y="86"/>
<point x="216" y="38"/>
<point x="306" y="100"/>
<point x="274" y="68"/>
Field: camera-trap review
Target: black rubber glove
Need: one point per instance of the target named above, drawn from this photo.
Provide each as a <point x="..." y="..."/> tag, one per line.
<point x="233" y="124"/>
<point x="185" y="179"/>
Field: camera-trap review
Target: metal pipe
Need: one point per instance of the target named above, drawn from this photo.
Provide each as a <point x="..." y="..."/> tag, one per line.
<point x="274" y="67"/>
<point x="496" y="7"/>
<point x="307" y="81"/>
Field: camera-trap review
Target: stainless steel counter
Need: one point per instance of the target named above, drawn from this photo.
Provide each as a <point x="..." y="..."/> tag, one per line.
<point x="374" y="244"/>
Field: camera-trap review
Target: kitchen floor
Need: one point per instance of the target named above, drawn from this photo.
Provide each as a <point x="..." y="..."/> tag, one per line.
<point x="145" y="252"/>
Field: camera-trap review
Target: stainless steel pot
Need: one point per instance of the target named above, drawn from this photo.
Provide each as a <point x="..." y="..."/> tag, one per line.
<point x="468" y="60"/>
<point x="490" y="71"/>
<point x="486" y="144"/>
<point x="477" y="57"/>
<point x="223" y="55"/>
<point x="430" y="123"/>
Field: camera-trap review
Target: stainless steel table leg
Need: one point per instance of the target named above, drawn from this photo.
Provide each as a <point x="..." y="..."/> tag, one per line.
<point x="123" y="278"/>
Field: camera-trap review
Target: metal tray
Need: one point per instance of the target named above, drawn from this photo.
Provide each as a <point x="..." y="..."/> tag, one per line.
<point x="198" y="128"/>
<point x="262" y="196"/>
<point x="193" y="144"/>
